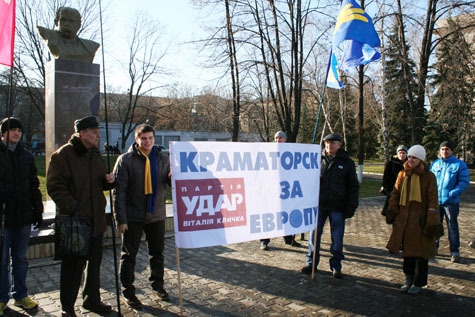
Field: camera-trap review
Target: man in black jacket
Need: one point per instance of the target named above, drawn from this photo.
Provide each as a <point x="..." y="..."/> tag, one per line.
<point x="338" y="200"/>
<point x="21" y="206"/>
<point x="391" y="170"/>
<point x="142" y="174"/>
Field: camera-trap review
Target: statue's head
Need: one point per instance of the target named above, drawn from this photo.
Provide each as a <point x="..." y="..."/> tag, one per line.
<point x="67" y="22"/>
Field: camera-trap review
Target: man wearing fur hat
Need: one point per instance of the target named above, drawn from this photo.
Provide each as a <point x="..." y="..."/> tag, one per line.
<point x="77" y="177"/>
<point x="20" y="206"/>
<point x="452" y="180"/>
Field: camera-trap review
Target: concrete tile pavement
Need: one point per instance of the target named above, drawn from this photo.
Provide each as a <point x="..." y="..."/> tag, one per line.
<point x="242" y="280"/>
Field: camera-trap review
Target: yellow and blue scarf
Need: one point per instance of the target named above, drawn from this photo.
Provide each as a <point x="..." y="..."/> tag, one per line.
<point x="151" y="178"/>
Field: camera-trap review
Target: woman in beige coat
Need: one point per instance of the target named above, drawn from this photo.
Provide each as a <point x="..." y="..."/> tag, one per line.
<point x="414" y="214"/>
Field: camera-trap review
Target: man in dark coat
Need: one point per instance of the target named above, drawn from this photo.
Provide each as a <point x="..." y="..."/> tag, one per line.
<point x="77" y="177"/>
<point x="339" y="195"/>
<point x="20" y="206"/>
<point x="391" y="170"/>
<point x="142" y="174"/>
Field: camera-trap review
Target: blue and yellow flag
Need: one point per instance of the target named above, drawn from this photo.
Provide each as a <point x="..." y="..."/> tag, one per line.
<point x="355" y="29"/>
<point x="333" y="76"/>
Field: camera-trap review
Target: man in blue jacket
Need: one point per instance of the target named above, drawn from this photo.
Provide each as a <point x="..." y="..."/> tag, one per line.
<point x="452" y="180"/>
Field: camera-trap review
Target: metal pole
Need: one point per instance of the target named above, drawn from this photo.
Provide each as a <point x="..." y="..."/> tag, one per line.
<point x="117" y="287"/>
<point x="317" y="120"/>
<point x="3" y="195"/>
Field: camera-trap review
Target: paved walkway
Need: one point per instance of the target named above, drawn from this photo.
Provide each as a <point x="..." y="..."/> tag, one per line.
<point x="242" y="280"/>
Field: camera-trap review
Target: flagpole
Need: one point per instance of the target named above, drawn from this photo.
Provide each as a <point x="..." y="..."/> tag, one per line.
<point x="317" y="119"/>
<point x="114" y="251"/>
<point x="9" y="112"/>
<point x="315" y="130"/>
<point x="180" y="295"/>
<point x="9" y="104"/>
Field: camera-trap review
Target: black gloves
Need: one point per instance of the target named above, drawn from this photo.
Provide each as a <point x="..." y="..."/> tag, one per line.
<point x="37" y="219"/>
<point x="349" y="213"/>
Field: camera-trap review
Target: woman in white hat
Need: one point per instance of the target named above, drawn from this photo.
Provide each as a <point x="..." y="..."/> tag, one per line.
<point x="414" y="213"/>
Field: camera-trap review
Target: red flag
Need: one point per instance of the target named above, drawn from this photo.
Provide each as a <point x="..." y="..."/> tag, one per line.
<point x="7" y="31"/>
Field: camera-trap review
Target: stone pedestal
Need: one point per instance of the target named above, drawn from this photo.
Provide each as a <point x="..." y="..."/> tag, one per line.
<point x="71" y="92"/>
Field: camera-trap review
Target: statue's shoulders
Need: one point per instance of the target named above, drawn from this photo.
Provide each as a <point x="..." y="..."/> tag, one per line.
<point x="91" y="45"/>
<point x="47" y="34"/>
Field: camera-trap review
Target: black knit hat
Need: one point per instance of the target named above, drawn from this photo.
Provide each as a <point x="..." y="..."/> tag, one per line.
<point x="401" y="147"/>
<point x="448" y="144"/>
<point x="10" y="123"/>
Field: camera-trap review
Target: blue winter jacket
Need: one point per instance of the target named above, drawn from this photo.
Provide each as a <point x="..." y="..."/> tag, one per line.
<point x="452" y="179"/>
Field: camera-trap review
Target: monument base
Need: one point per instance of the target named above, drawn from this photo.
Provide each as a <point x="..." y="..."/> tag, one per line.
<point x="71" y="92"/>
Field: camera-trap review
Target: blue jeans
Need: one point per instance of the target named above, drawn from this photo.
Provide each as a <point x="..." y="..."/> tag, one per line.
<point x="337" y="229"/>
<point x="15" y="247"/>
<point x="451" y="213"/>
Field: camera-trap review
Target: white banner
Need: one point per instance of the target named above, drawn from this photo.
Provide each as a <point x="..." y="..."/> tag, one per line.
<point x="229" y="192"/>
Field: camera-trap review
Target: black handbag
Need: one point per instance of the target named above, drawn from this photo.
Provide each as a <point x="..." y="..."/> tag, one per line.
<point x="72" y="237"/>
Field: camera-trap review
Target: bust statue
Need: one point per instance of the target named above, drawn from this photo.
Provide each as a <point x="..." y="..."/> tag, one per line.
<point x="63" y="42"/>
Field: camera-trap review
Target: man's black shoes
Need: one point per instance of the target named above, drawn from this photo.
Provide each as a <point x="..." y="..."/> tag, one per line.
<point x="97" y="307"/>
<point x="294" y="243"/>
<point x="337" y="274"/>
<point x="307" y="269"/>
<point x="291" y="242"/>
<point x="162" y="294"/>
<point x="133" y="302"/>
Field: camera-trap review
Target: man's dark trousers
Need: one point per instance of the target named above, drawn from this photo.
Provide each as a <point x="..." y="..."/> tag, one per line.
<point x="155" y="236"/>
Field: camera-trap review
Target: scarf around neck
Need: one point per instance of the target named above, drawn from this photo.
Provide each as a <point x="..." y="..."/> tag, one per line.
<point x="150" y="178"/>
<point x="414" y="192"/>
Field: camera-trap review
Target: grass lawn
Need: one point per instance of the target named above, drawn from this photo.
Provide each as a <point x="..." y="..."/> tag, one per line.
<point x="368" y="187"/>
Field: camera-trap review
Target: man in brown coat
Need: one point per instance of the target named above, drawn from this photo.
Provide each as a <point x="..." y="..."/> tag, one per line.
<point x="77" y="177"/>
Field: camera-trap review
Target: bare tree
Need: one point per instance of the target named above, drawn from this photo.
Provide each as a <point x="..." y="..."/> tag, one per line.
<point x="384" y="116"/>
<point x="435" y="10"/>
<point x="143" y="67"/>
<point x="266" y="38"/>
<point x="417" y="25"/>
<point x="234" y="71"/>
<point x="283" y="73"/>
